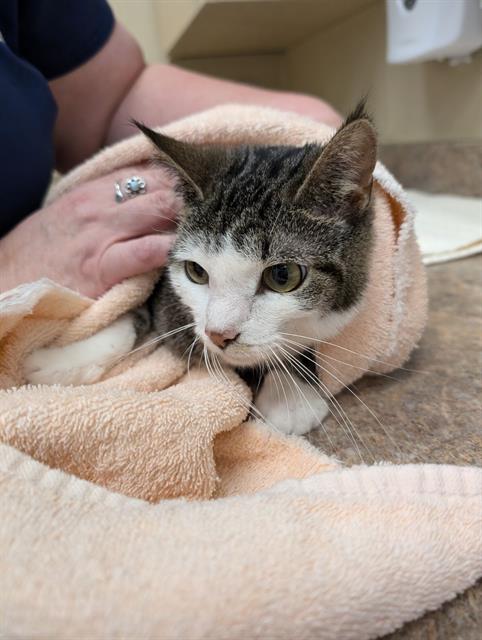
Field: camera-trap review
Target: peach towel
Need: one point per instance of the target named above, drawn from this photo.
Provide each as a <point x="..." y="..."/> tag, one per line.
<point x="142" y="505"/>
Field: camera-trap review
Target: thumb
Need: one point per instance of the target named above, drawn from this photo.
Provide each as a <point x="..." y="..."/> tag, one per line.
<point x="133" y="257"/>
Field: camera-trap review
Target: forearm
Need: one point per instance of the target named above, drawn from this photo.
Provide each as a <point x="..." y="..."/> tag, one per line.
<point x="163" y="93"/>
<point x="7" y="275"/>
<point x="89" y="97"/>
<point x="97" y="100"/>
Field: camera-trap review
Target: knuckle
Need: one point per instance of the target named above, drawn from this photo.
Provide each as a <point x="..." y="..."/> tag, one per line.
<point x="89" y="269"/>
<point x="79" y="200"/>
<point x="85" y="209"/>
<point x="145" y="249"/>
<point x="168" y="203"/>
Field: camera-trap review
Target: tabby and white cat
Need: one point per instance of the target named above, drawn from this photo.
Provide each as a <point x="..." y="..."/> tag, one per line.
<point x="272" y="253"/>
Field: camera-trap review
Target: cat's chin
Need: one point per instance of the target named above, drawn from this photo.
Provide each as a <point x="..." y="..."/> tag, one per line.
<point x="234" y="357"/>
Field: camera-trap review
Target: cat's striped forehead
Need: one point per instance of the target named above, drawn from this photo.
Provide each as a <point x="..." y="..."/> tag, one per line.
<point x="250" y="194"/>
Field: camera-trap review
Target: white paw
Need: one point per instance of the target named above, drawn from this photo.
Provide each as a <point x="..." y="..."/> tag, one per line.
<point x="81" y="362"/>
<point x="289" y="408"/>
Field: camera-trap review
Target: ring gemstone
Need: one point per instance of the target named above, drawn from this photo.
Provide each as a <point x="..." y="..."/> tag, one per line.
<point x="135" y="186"/>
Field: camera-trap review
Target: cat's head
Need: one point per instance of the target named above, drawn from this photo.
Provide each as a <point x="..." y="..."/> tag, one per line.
<point x="274" y="240"/>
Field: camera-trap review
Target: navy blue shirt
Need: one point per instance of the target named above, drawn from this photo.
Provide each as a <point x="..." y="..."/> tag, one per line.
<point x="40" y="40"/>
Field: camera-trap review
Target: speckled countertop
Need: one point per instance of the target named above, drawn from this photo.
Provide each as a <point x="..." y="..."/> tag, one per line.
<point x="434" y="415"/>
<point x="429" y="417"/>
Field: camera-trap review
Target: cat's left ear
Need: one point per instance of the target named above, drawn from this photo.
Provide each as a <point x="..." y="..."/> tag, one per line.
<point x="342" y="175"/>
<point x="193" y="164"/>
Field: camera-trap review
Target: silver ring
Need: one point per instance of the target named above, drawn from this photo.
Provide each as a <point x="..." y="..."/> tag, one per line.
<point x="119" y="196"/>
<point x="135" y="186"/>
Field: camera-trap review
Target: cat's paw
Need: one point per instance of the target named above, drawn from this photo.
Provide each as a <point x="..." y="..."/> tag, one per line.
<point x="288" y="408"/>
<point x="81" y="362"/>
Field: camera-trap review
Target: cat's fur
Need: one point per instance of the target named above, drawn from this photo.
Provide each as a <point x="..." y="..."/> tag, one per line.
<point x="247" y="208"/>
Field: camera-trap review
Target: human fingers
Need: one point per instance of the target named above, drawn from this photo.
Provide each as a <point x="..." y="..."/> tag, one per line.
<point x="145" y="214"/>
<point x="135" y="215"/>
<point x="133" y="257"/>
<point x="155" y="177"/>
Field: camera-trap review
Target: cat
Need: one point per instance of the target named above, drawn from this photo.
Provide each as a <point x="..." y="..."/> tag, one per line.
<point x="272" y="253"/>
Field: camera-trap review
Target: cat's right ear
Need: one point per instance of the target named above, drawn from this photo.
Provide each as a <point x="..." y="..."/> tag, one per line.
<point x="342" y="174"/>
<point x="194" y="165"/>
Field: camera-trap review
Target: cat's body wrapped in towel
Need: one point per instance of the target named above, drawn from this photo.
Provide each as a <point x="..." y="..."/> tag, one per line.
<point x="252" y="534"/>
<point x="291" y="261"/>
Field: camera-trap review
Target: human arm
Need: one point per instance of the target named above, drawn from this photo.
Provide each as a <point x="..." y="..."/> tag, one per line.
<point x="81" y="240"/>
<point x="163" y="93"/>
<point x="97" y="100"/>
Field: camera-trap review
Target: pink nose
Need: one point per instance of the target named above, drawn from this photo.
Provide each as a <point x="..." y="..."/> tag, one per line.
<point x="222" y="340"/>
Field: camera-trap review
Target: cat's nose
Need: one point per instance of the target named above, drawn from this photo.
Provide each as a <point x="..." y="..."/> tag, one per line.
<point x="222" y="339"/>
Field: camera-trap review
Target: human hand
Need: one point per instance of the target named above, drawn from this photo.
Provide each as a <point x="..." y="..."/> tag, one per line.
<point x="87" y="241"/>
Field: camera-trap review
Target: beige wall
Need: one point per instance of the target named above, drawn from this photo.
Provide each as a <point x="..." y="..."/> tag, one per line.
<point x="416" y="102"/>
<point x="141" y="19"/>
<point x="411" y="103"/>
<point x="260" y="70"/>
<point x="155" y="23"/>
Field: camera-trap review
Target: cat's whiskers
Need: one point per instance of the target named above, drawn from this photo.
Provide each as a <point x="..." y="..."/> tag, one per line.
<point x="153" y="341"/>
<point x="165" y="232"/>
<point x="291" y="378"/>
<point x="364" y="404"/>
<point x="214" y="368"/>
<point x="208" y="363"/>
<point x="224" y="378"/>
<point x="324" y="356"/>
<point x="191" y="349"/>
<point x="361" y="355"/>
<point x="273" y="369"/>
<point x="334" y="406"/>
<point x="162" y="232"/>
<point x="251" y="408"/>
<point x="319" y="356"/>
<point x="264" y="370"/>
<point x="321" y="389"/>
<point x="337" y="379"/>
<point x="155" y="215"/>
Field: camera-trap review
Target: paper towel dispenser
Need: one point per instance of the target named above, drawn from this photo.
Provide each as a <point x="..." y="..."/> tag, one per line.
<point x="421" y="30"/>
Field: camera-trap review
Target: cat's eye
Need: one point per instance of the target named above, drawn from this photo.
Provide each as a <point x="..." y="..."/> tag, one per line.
<point x="284" y="277"/>
<point x="195" y="272"/>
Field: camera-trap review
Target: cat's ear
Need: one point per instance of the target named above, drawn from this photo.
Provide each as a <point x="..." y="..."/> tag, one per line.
<point x="342" y="174"/>
<point x="193" y="164"/>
